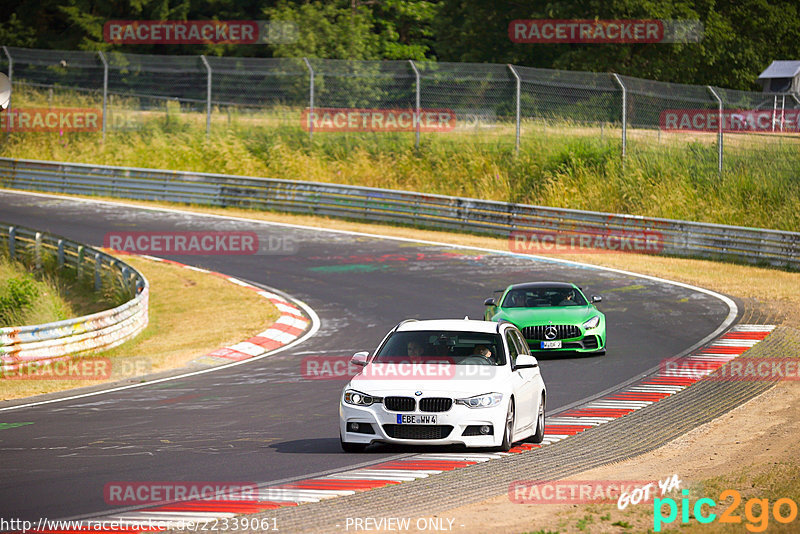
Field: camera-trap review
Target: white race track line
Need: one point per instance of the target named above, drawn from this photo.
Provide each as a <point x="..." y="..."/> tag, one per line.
<point x="733" y="310"/>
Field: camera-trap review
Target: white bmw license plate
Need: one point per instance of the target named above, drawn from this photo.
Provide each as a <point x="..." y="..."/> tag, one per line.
<point x="551" y="344"/>
<point x="416" y="419"/>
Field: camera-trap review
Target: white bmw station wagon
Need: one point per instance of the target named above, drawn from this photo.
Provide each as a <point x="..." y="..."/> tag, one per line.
<point x="445" y="382"/>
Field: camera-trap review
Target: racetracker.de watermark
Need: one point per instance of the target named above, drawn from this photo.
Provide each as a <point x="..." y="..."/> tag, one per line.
<point x="126" y="493"/>
<point x="377" y="120"/>
<point x="242" y="32"/>
<point x="63" y="369"/>
<point x="77" y="369"/>
<point x="585" y="31"/>
<point x="585" y="241"/>
<point x="51" y="120"/>
<point x="233" y="243"/>
<point x="731" y="120"/>
<point x="342" y="368"/>
<point x="438" y="368"/>
<point x="575" y="491"/>
<point x="741" y="369"/>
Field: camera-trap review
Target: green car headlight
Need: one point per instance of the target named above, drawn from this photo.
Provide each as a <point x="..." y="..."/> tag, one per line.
<point x="591" y="323"/>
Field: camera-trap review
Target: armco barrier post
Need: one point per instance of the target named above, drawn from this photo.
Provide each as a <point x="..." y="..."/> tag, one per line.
<point x="719" y="129"/>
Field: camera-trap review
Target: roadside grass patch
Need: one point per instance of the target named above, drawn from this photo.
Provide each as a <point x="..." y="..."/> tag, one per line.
<point x="191" y="314"/>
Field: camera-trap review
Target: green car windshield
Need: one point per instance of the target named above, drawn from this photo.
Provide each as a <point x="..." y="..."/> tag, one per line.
<point x="543" y="297"/>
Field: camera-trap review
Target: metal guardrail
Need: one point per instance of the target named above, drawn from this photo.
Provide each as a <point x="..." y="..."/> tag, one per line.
<point x="675" y="237"/>
<point x="61" y="340"/>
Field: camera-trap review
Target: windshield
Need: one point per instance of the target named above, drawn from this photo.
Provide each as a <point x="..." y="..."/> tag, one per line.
<point x="543" y="297"/>
<point x="453" y="348"/>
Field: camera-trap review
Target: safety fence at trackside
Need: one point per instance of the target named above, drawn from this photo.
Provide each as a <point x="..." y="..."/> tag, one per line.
<point x="61" y="340"/>
<point x="512" y="221"/>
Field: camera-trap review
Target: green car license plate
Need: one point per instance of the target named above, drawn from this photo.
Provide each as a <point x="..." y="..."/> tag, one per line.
<point x="551" y="344"/>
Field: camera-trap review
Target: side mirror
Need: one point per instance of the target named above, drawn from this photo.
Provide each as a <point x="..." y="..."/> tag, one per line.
<point x="526" y="361"/>
<point x="596" y="298"/>
<point x="360" y="358"/>
<point x="489" y="302"/>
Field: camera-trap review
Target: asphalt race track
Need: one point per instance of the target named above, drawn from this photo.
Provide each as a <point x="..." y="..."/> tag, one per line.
<point x="261" y="421"/>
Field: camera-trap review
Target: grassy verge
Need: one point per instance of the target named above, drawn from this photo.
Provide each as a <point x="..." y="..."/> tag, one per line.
<point x="180" y="327"/>
<point x="560" y="164"/>
<point x="28" y="299"/>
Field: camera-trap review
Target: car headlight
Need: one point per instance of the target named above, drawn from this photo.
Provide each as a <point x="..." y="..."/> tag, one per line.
<point x="591" y="323"/>
<point x="356" y="398"/>
<point x="487" y="400"/>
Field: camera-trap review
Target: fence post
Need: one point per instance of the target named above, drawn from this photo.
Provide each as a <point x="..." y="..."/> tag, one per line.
<point x="519" y="88"/>
<point x="60" y="253"/>
<point x="10" y="82"/>
<point x="105" y="90"/>
<point x="624" y="117"/>
<point x="417" y="112"/>
<point x="310" y="98"/>
<point x="37" y="250"/>
<point x="98" y="265"/>
<point x="719" y="129"/>
<point x="79" y="264"/>
<point x="208" y="95"/>
<point x="12" y="245"/>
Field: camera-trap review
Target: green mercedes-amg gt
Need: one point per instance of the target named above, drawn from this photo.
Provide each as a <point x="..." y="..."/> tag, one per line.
<point x="553" y="316"/>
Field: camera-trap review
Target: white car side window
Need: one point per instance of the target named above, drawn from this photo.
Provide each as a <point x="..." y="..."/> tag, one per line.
<point x="513" y="351"/>
<point x="523" y="346"/>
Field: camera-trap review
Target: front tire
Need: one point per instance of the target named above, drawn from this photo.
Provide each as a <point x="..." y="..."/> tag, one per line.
<point x="351" y="447"/>
<point x="538" y="436"/>
<point x="508" y="435"/>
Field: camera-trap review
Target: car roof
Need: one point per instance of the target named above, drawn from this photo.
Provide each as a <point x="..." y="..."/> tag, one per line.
<point x="455" y="325"/>
<point x="531" y="285"/>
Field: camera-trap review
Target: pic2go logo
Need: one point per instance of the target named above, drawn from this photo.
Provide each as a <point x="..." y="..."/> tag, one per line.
<point x="756" y="511"/>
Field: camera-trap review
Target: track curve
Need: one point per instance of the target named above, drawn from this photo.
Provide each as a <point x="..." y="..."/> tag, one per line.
<point x="263" y="422"/>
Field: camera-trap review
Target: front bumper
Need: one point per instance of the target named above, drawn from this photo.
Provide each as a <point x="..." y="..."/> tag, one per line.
<point x="454" y="423"/>
<point x="589" y="343"/>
